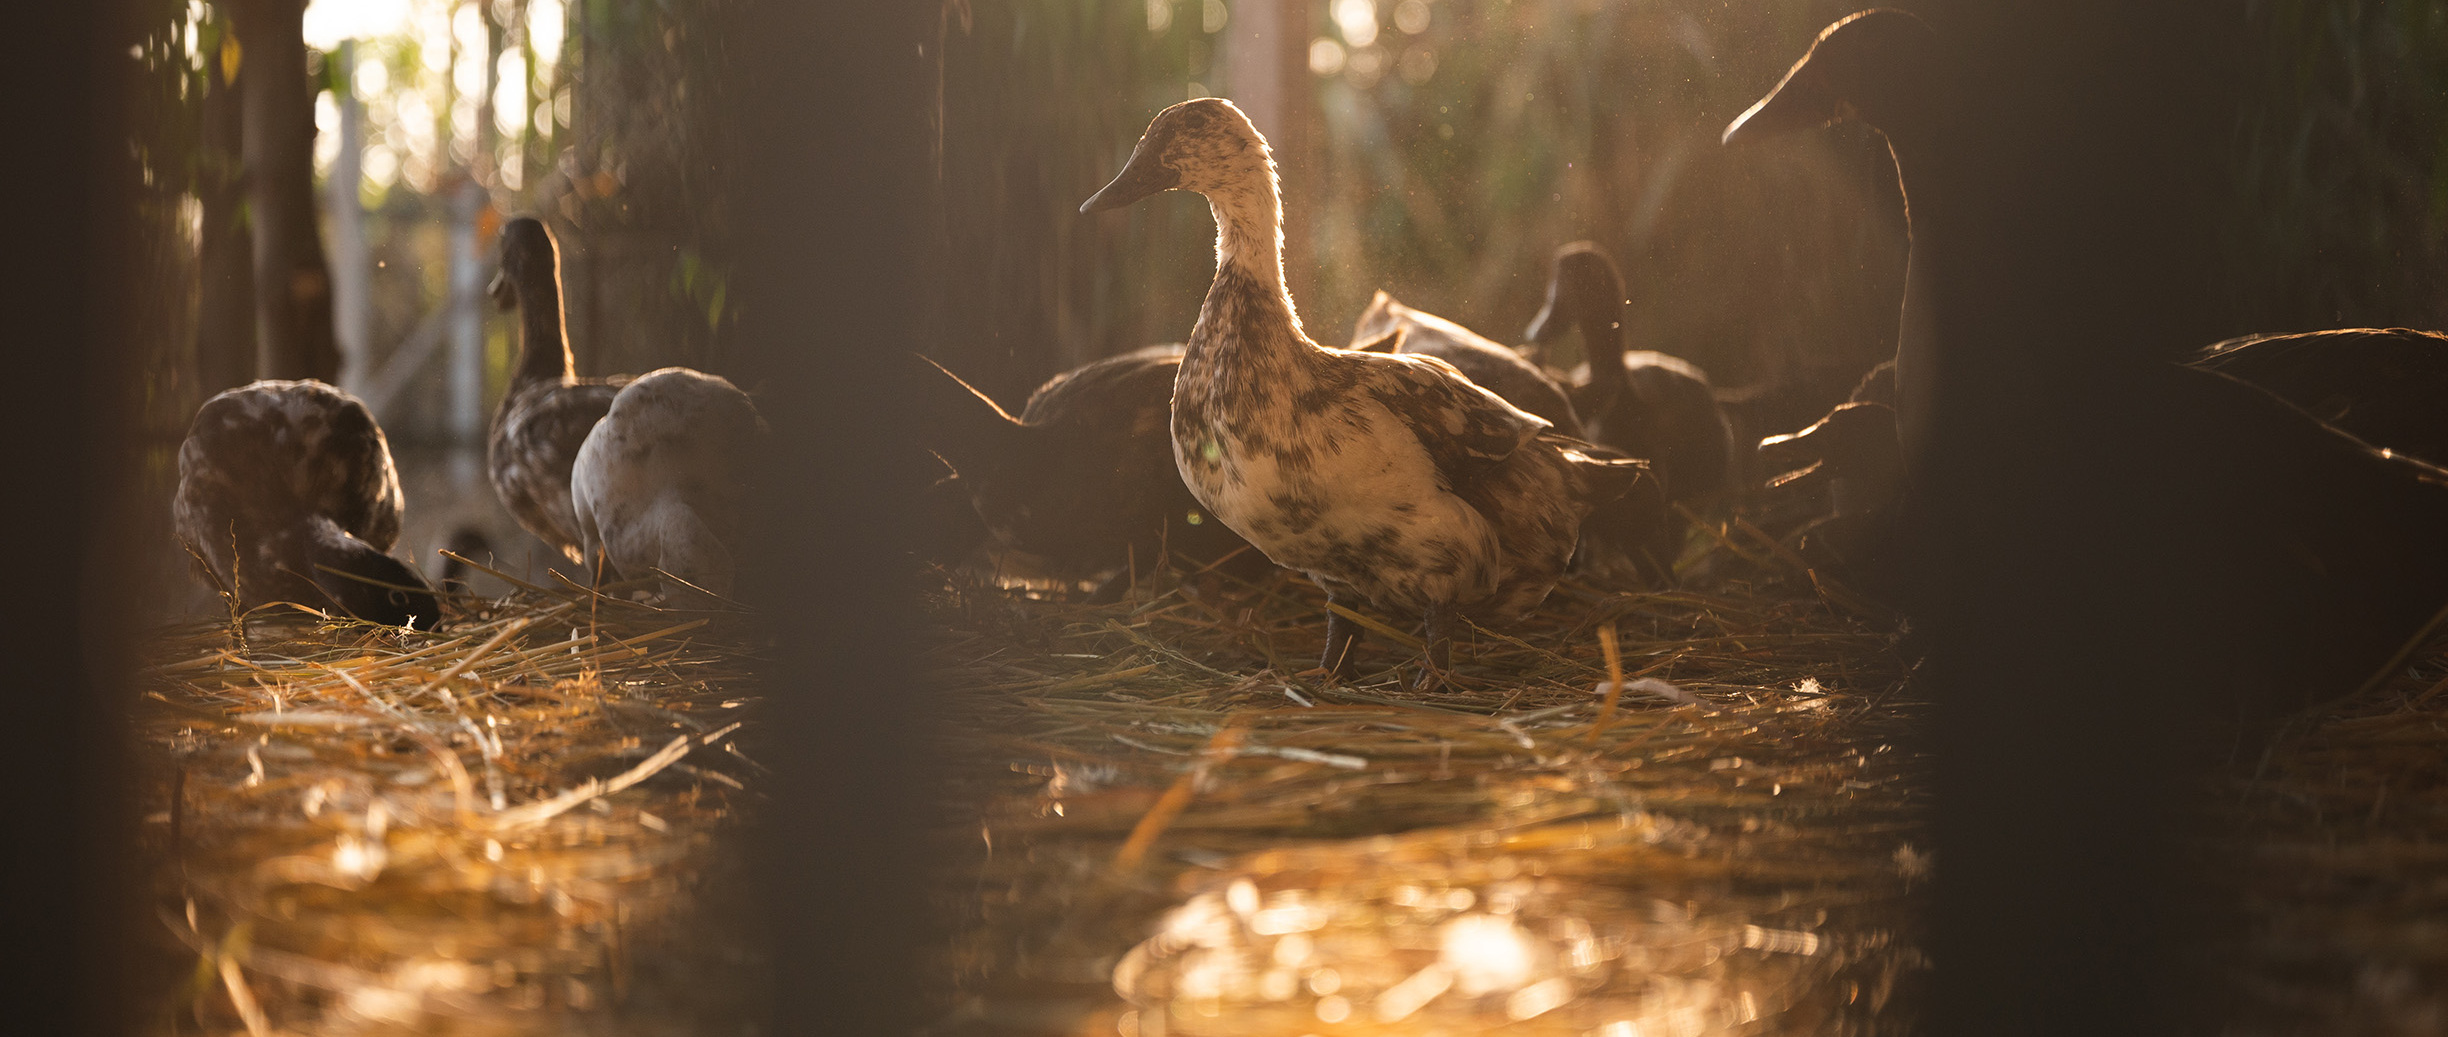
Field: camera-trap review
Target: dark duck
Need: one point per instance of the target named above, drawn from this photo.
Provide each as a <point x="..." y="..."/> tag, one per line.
<point x="1083" y="480"/>
<point x="2296" y="558"/>
<point x="2385" y="386"/>
<point x="287" y="493"/>
<point x="1851" y="468"/>
<point x="659" y="485"/>
<point x="546" y="414"/>
<point x="1648" y="404"/>
<point x="1388" y="478"/>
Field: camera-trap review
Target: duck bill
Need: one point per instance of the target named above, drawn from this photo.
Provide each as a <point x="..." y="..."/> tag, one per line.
<point x="1788" y="452"/>
<point x="1142" y="176"/>
<point x="1801" y="102"/>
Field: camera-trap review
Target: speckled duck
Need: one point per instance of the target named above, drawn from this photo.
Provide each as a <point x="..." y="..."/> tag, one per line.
<point x="1388" y="478"/>
<point x="286" y="491"/>
<point x="546" y="415"/>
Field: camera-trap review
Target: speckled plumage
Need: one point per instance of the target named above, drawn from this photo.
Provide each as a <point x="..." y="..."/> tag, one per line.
<point x="1479" y="358"/>
<point x="276" y="478"/>
<point x="1384" y="476"/>
<point x="546" y="414"/>
<point x="658" y="483"/>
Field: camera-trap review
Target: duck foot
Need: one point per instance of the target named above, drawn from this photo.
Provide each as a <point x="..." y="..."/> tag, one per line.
<point x="1342" y="636"/>
<point x="1438" y="662"/>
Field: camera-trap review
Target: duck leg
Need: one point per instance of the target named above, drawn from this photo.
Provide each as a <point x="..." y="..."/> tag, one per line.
<point x="1342" y="636"/>
<point x="1439" y="658"/>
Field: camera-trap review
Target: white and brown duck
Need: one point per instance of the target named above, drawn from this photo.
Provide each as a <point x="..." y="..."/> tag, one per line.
<point x="1388" y="478"/>
<point x="546" y="414"/>
<point x="1481" y="359"/>
<point x="287" y="493"/>
<point x="660" y="485"/>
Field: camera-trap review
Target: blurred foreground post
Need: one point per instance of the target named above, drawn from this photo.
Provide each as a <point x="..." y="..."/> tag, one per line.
<point x="834" y="201"/>
<point x="293" y="290"/>
<point x="68" y="898"/>
<point x="2082" y="184"/>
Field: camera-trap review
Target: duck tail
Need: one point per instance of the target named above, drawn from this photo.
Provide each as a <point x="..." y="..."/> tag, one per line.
<point x="1600" y="474"/>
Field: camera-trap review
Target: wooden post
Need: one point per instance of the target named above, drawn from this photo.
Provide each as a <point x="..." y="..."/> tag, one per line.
<point x="293" y="292"/>
<point x="830" y="155"/>
<point x="1266" y="73"/>
<point x="352" y="264"/>
<point x="225" y="250"/>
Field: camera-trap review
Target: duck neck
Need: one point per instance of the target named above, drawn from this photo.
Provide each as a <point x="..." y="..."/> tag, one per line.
<point x="1249" y="283"/>
<point x="1916" y="362"/>
<point x="544" y="352"/>
<point x="1602" y="337"/>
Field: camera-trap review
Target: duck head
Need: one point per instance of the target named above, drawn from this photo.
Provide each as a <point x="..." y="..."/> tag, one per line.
<point x="351" y="576"/>
<point x="1583" y="291"/>
<point x="1856" y="443"/>
<point x="528" y="254"/>
<point x="1204" y="145"/>
<point x="1874" y="66"/>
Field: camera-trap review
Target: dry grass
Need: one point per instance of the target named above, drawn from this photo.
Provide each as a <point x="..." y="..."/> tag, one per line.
<point x="1313" y="859"/>
<point x="1672" y="812"/>
<point x="2336" y="846"/>
<point x="503" y="827"/>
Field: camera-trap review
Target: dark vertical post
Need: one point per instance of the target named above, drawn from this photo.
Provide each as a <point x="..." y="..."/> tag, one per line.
<point x="1266" y="58"/>
<point x="66" y="841"/>
<point x="830" y="163"/>
<point x="225" y="252"/>
<point x="293" y="295"/>
<point x="2082" y="180"/>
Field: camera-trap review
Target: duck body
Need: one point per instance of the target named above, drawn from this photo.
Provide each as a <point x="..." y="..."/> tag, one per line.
<point x="1648" y="404"/>
<point x="2386" y="386"/>
<point x="1385" y="476"/>
<point x="545" y="416"/>
<point x="1850" y="468"/>
<point x="657" y="484"/>
<point x="1083" y="481"/>
<point x="280" y="481"/>
<point x="1495" y="367"/>
<point x="2292" y="556"/>
<point x="1326" y="472"/>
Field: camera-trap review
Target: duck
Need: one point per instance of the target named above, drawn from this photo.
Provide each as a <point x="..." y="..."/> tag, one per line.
<point x="1501" y="370"/>
<point x="287" y="493"/>
<point x="1852" y="467"/>
<point x="1390" y="479"/>
<point x="1645" y="403"/>
<point x="659" y="486"/>
<point x="2298" y="556"/>
<point x="2384" y="385"/>
<point x="1083" y="479"/>
<point x="545" y="416"/>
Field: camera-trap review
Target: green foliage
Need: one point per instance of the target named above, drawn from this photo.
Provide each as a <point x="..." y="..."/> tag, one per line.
<point x="2341" y="201"/>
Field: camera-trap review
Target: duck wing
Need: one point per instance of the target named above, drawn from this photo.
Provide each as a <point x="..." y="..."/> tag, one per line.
<point x="1467" y="429"/>
<point x="535" y="442"/>
<point x="2382" y="385"/>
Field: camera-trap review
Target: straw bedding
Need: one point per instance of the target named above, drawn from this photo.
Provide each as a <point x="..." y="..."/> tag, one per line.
<point x="1156" y="821"/>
